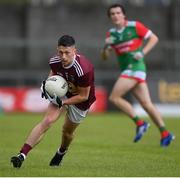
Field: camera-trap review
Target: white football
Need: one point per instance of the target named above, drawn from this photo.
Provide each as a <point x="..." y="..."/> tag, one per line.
<point x="56" y="85"/>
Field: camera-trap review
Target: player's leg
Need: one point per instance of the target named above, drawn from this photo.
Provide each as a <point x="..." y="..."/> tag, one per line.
<point x="121" y="87"/>
<point x="141" y="92"/>
<point x="72" y="121"/>
<point x="52" y="114"/>
<point x="67" y="137"/>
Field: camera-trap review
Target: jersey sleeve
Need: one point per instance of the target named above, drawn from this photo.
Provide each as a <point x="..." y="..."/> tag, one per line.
<point x="108" y="34"/>
<point x="142" y="30"/>
<point x="54" y="63"/>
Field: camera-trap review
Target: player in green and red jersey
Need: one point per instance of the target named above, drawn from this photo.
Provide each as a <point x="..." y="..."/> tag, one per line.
<point x="126" y="39"/>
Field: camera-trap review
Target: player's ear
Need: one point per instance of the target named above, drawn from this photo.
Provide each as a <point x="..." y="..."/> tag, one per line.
<point x="75" y="50"/>
<point x="57" y="48"/>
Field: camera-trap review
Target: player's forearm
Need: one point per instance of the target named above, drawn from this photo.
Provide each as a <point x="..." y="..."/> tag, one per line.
<point x="150" y="44"/>
<point x="75" y="100"/>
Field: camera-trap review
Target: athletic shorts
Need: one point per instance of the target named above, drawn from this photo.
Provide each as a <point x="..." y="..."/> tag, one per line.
<point x="140" y="76"/>
<point x="75" y="114"/>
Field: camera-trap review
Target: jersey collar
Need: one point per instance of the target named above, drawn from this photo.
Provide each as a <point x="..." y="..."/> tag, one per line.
<point x="69" y="66"/>
<point x="122" y="29"/>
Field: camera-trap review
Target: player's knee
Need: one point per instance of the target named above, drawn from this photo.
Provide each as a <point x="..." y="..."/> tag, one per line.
<point x="146" y="105"/>
<point x="47" y="122"/>
<point x="67" y="135"/>
<point x="113" y="99"/>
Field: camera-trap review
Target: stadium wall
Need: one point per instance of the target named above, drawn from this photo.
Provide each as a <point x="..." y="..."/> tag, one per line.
<point x="28" y="35"/>
<point x="28" y="99"/>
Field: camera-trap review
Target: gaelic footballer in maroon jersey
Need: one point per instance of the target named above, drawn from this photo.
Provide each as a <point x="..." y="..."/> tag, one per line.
<point x="79" y="73"/>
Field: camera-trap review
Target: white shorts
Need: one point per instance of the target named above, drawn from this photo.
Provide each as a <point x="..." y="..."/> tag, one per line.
<point x="76" y="115"/>
<point x="140" y="76"/>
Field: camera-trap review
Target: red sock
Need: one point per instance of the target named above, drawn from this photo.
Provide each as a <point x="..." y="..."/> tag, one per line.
<point x="164" y="134"/>
<point x="139" y="122"/>
<point x="26" y="148"/>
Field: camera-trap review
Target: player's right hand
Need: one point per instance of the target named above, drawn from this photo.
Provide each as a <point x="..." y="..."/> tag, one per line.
<point x="55" y="100"/>
<point x="110" y="40"/>
<point x="43" y="91"/>
<point x="104" y="55"/>
<point x="138" y="55"/>
<point x="105" y="52"/>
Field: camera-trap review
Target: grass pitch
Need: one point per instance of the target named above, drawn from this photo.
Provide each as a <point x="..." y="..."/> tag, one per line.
<point x="103" y="146"/>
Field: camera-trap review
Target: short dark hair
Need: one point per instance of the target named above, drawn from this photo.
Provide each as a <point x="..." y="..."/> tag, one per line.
<point x="114" y="6"/>
<point x="66" y="40"/>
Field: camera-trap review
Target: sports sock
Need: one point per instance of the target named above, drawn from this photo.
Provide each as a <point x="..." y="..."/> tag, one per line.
<point x="139" y="122"/>
<point x="25" y="149"/>
<point x="164" y="132"/>
<point x="22" y="156"/>
<point x="62" y="151"/>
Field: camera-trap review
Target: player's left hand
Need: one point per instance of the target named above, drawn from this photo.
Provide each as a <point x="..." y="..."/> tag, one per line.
<point x="43" y="91"/>
<point x="138" y="55"/>
<point x="104" y="54"/>
<point x="110" y="40"/>
<point x="55" y="100"/>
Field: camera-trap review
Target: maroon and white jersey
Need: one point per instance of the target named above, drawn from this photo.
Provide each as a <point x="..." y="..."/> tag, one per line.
<point x="79" y="73"/>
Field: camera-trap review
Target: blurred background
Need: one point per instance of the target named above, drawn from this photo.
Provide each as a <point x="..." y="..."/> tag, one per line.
<point x="29" y="30"/>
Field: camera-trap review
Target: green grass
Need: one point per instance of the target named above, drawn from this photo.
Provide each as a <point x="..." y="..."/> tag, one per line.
<point x="102" y="147"/>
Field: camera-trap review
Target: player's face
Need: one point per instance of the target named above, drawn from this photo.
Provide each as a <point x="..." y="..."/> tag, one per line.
<point x="66" y="54"/>
<point x="117" y="16"/>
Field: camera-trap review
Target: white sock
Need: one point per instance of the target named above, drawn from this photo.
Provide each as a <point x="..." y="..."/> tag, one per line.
<point x="61" y="153"/>
<point x="24" y="156"/>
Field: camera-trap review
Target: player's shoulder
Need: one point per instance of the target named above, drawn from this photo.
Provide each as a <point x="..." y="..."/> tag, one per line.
<point x="131" y="23"/>
<point x="82" y="59"/>
<point x="54" y="59"/>
<point x="134" y="23"/>
<point x="83" y="62"/>
<point x="111" y="30"/>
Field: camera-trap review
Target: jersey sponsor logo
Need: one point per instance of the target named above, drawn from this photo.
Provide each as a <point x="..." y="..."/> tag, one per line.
<point x="123" y="47"/>
<point x="72" y="88"/>
<point x="124" y="44"/>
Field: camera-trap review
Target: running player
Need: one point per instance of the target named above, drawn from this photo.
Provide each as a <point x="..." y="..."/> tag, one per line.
<point x="126" y="39"/>
<point x="79" y="73"/>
